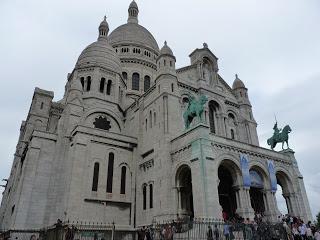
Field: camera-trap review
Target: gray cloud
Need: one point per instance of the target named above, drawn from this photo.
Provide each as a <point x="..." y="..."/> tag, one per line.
<point x="273" y="45"/>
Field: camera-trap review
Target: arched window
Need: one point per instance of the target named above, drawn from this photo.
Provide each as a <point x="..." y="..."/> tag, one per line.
<point x="146" y="124"/>
<point x="82" y="82"/>
<point x="123" y="180"/>
<point x="232" y="133"/>
<point x="154" y="118"/>
<point x="172" y="87"/>
<point x="144" y="192"/>
<point x="146" y="83"/>
<point x="213" y="109"/>
<point x="109" y="84"/>
<point x="102" y="82"/>
<point x="95" y="178"/>
<point x="110" y="173"/>
<point x="88" y="83"/>
<point x="150" y="119"/>
<point x="151" y="196"/>
<point x="135" y="81"/>
<point x="12" y="209"/>
<point x="125" y="76"/>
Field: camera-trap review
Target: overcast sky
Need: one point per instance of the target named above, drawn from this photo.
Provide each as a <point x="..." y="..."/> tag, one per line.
<point x="273" y="45"/>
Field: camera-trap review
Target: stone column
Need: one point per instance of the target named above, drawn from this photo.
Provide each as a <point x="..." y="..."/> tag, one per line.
<point x="244" y="208"/>
<point x="178" y="200"/>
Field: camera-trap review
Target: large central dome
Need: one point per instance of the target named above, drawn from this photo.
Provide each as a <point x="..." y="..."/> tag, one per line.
<point x="132" y="33"/>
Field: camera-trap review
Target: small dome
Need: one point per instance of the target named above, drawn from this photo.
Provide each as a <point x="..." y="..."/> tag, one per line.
<point x="100" y="53"/>
<point x="166" y="50"/>
<point x="238" y="83"/>
<point x="133" y="4"/>
<point x="104" y="23"/>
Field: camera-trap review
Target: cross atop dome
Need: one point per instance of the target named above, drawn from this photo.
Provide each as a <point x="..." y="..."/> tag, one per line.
<point x="133" y="12"/>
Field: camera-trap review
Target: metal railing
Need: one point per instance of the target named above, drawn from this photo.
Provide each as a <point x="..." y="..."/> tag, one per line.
<point x="71" y="231"/>
<point x="205" y="229"/>
<point x="197" y="229"/>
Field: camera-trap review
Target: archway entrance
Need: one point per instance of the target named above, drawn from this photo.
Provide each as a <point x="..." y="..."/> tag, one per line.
<point x="283" y="193"/>
<point x="256" y="192"/>
<point x="184" y="187"/>
<point x="227" y="196"/>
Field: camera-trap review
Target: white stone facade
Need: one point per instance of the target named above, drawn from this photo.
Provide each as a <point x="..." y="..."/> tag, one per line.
<point x="115" y="147"/>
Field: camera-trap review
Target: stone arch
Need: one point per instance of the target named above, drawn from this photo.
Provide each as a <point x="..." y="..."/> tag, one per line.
<point x="124" y="164"/>
<point x="263" y="171"/>
<point x="183" y="185"/>
<point x="214" y="110"/>
<point x="259" y="184"/>
<point x="229" y="175"/>
<point x="207" y="69"/>
<point x="284" y="180"/>
<point x="111" y="114"/>
<point x="229" y="161"/>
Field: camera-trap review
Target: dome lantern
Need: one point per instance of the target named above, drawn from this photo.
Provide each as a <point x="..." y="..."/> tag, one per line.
<point x="133" y="11"/>
<point x="103" y="29"/>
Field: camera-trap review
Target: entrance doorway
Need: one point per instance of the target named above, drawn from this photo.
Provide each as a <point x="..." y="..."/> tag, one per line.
<point x="184" y="187"/>
<point x="227" y="197"/>
<point x="256" y="192"/>
<point x="256" y="198"/>
<point x="284" y="187"/>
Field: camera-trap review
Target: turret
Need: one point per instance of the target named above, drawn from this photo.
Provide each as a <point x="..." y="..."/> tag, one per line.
<point x="240" y="91"/>
<point x="250" y="125"/>
<point x="133" y="12"/>
<point x="166" y="61"/>
<point x="103" y="29"/>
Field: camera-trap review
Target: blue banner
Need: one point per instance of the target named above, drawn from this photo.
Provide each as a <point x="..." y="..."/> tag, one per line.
<point x="272" y="174"/>
<point x="244" y="162"/>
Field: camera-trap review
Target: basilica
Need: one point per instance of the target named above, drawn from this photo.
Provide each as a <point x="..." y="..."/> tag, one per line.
<point x="116" y="147"/>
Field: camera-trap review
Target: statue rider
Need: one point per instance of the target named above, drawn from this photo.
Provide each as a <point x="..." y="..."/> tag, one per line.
<point x="276" y="131"/>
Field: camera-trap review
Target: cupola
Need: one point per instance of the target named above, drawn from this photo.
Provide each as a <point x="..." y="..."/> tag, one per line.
<point x="133" y="12"/>
<point x="166" y="61"/>
<point x="103" y="29"/>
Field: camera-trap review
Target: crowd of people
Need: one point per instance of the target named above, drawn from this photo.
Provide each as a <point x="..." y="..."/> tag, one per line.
<point x="287" y="228"/>
<point x="297" y="229"/>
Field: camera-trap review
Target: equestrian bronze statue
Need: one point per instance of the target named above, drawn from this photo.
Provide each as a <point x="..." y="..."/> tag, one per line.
<point x="194" y="109"/>
<point x="279" y="136"/>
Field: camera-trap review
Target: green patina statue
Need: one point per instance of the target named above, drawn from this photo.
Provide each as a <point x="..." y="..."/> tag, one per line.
<point x="279" y="136"/>
<point x="194" y="109"/>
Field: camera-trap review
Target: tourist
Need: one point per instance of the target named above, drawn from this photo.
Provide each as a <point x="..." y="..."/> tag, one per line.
<point x="295" y="232"/>
<point x="288" y="230"/>
<point x="248" y="230"/>
<point x="168" y="233"/>
<point x="302" y="229"/>
<point x="216" y="232"/>
<point x="317" y="234"/>
<point x="209" y="233"/>
<point x="33" y="237"/>
<point x="224" y="215"/>
<point x="142" y="233"/>
<point x="309" y="234"/>
<point x="148" y="234"/>
<point x="226" y="230"/>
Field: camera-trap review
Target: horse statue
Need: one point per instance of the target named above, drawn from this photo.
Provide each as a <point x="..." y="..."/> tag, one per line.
<point x="279" y="136"/>
<point x="194" y="109"/>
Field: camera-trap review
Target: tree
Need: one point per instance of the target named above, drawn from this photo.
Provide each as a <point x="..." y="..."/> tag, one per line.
<point x="318" y="220"/>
